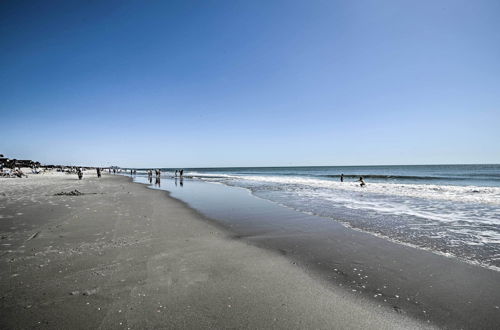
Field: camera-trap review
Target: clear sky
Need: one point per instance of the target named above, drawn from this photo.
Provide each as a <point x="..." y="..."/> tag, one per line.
<point x="250" y="83"/>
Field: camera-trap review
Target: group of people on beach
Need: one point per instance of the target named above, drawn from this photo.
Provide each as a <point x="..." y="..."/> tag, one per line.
<point x="157" y="174"/>
<point x="12" y="173"/>
<point x="361" y="181"/>
<point x="16" y="171"/>
<point x="79" y="172"/>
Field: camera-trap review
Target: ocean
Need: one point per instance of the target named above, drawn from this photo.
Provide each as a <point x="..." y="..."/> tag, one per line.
<point x="452" y="210"/>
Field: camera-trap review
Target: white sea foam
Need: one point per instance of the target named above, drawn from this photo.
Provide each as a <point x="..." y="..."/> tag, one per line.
<point x="469" y="194"/>
<point x="209" y="175"/>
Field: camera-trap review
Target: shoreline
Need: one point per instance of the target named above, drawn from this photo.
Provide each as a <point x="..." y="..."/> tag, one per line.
<point x="124" y="256"/>
<point x="428" y="286"/>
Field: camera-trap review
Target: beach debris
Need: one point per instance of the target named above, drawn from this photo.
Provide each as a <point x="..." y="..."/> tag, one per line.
<point x="33" y="236"/>
<point x="71" y="193"/>
<point x="90" y="292"/>
<point x="84" y="293"/>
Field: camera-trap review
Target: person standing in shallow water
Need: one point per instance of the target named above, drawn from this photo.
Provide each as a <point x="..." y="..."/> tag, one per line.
<point x="342" y="177"/>
<point x="362" y="182"/>
<point x="98" y="172"/>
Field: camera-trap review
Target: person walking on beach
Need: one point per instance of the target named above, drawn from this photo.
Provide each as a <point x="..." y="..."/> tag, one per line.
<point x="181" y="173"/>
<point x="362" y="182"/>
<point x="150" y="176"/>
<point x="342" y="177"/>
<point x="98" y="172"/>
<point x="80" y="173"/>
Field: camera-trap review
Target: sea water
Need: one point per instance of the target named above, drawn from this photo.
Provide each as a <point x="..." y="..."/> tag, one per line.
<point x="448" y="209"/>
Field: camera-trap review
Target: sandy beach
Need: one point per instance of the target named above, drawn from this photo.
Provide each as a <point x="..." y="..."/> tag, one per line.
<point x="265" y="165"/>
<point x="121" y="255"/>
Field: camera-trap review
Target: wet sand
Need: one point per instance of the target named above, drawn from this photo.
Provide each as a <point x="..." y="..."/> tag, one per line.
<point x="444" y="291"/>
<point x="124" y="256"/>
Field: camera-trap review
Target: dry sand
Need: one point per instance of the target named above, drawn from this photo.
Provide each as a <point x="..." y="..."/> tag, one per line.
<point x="125" y="256"/>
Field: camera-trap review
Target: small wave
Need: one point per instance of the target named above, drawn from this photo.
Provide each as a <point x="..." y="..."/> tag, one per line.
<point x="203" y="176"/>
<point x="401" y="177"/>
<point x="470" y="194"/>
<point x="198" y="175"/>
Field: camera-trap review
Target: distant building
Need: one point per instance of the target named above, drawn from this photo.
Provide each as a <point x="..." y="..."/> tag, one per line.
<point x="26" y="163"/>
<point x="11" y="163"/>
<point x="4" y="161"/>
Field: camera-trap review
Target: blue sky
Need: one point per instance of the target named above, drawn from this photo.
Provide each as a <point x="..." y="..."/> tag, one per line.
<point x="250" y="83"/>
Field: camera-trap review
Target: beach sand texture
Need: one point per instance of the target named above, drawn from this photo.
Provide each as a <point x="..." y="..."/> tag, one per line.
<point x="125" y="256"/>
